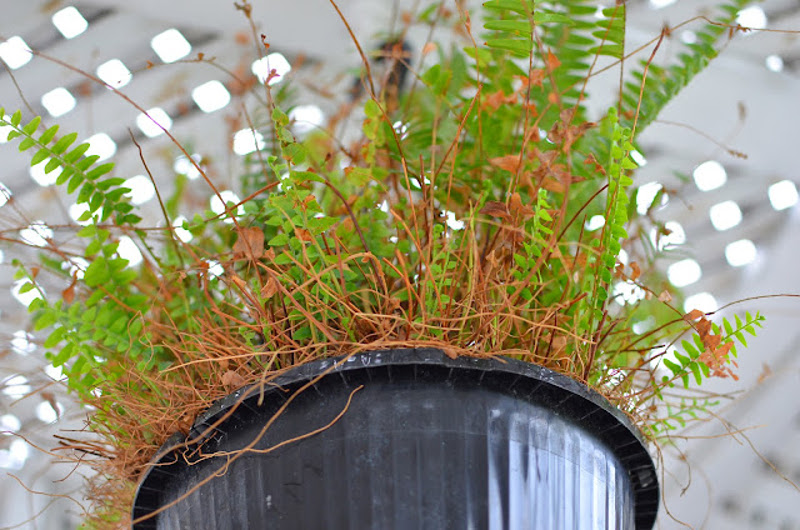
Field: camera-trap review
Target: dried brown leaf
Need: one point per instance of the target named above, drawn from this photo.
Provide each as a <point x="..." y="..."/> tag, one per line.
<point x="496" y="209"/>
<point x="303" y="234"/>
<point x="68" y="294"/>
<point x="232" y="380"/>
<point x="250" y="243"/>
<point x="635" y="271"/>
<point x="508" y="162"/>
<point x="552" y="61"/>
<point x="551" y="184"/>
<point x="694" y="314"/>
<point x="270" y="288"/>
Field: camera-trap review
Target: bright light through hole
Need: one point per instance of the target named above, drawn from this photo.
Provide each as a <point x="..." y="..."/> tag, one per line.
<point x="274" y="61"/>
<point x="774" y="63"/>
<point x="183" y="234"/>
<point x="145" y="122"/>
<point x="115" y="73"/>
<point x="15" y="456"/>
<point x="41" y="177"/>
<point x="725" y="215"/>
<point x="37" y="234"/>
<point x="77" y="210"/>
<point x="704" y="302"/>
<point x="740" y="253"/>
<point x="102" y="145"/>
<point x="9" y="423"/>
<point x="452" y="222"/>
<point x="16" y="386"/>
<point x="688" y="36"/>
<point x="4" y="130"/>
<point x="645" y="196"/>
<point x="15" y="52"/>
<point x="46" y="413"/>
<point x="211" y="96"/>
<point x="170" y="45"/>
<point x="215" y="269"/>
<point x="658" y="4"/>
<point x="783" y="195"/>
<point x="628" y="293"/>
<point x="183" y="166"/>
<point x="58" y="101"/>
<point x="595" y="222"/>
<point x="683" y="273"/>
<point x="54" y="372"/>
<point x="752" y="17"/>
<point x="306" y="118"/>
<point x="128" y="250"/>
<point x="69" y="22"/>
<point x="142" y="189"/>
<point x="218" y="207"/>
<point x="639" y="158"/>
<point x="709" y="175"/>
<point x="75" y="266"/>
<point x="24" y="298"/>
<point x="672" y="235"/>
<point x="22" y="343"/>
<point x="246" y="141"/>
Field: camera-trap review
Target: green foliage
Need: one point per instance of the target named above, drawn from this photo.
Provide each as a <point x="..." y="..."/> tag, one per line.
<point x="701" y="356"/>
<point x="664" y="83"/>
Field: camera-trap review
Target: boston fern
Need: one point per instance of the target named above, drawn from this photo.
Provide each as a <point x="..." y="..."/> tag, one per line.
<point x="457" y="219"/>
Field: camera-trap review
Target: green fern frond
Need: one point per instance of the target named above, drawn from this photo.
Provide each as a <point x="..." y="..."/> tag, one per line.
<point x="664" y="83"/>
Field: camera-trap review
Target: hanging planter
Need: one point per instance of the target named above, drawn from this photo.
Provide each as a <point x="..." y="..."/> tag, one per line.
<point x="405" y="439"/>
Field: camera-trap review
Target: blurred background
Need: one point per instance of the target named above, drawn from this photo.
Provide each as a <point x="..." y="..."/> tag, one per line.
<point x="734" y="222"/>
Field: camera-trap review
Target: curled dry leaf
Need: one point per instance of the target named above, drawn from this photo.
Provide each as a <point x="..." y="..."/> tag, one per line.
<point x="551" y="184"/>
<point x="508" y="162"/>
<point x="517" y="208"/>
<point x="303" y="234"/>
<point x="428" y="48"/>
<point x="495" y="100"/>
<point x="496" y="209"/>
<point x="694" y="314"/>
<point x="250" y="244"/>
<point x="665" y="296"/>
<point x="231" y="380"/>
<point x="270" y="288"/>
<point x="552" y="61"/>
<point x="635" y="271"/>
<point x="68" y="294"/>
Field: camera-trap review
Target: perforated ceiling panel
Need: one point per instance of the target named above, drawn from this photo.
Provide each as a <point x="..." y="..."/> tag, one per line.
<point x="734" y="224"/>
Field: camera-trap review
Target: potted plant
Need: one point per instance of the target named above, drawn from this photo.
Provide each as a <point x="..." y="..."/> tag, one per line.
<point x="413" y="327"/>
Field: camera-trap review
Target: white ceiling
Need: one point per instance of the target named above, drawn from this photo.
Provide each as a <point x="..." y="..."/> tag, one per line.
<point x="730" y="486"/>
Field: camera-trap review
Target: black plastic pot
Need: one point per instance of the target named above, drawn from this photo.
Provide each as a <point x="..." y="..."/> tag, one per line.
<point x="427" y="442"/>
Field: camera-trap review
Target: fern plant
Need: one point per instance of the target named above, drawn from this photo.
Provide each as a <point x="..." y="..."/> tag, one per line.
<point x="456" y="220"/>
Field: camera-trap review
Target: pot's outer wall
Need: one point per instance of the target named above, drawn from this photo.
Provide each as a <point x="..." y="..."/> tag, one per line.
<point x="427" y="443"/>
